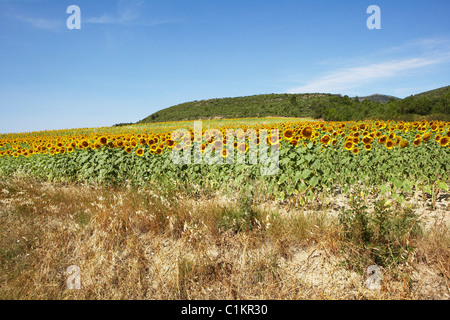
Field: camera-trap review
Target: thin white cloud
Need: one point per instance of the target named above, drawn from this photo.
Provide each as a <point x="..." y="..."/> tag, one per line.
<point x="126" y="11"/>
<point x="41" y="23"/>
<point x="354" y="77"/>
<point x="428" y="52"/>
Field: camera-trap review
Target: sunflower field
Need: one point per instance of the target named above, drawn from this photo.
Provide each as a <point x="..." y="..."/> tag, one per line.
<point x="313" y="155"/>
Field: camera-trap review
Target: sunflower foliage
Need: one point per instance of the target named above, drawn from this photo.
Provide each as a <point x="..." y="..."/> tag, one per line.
<point x="314" y="156"/>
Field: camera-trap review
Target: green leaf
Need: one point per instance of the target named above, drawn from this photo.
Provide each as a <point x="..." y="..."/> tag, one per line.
<point x="297" y="176"/>
<point x="306" y="173"/>
<point x="289" y="189"/>
<point x="398" y="183"/>
<point x="442" y="185"/>
<point x="309" y="157"/>
<point x="283" y="178"/>
<point x="407" y="185"/>
<point x="314" y="181"/>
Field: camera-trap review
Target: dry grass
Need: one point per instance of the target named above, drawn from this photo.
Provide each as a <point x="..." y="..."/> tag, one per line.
<point x="136" y="244"/>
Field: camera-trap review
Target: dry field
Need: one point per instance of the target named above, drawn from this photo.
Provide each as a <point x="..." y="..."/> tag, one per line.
<point x="146" y="243"/>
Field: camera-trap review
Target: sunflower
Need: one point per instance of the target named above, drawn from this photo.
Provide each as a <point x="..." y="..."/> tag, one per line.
<point x="294" y="142"/>
<point x="103" y="140"/>
<point x="225" y="153"/>
<point x="202" y="148"/>
<point x="417" y="142"/>
<point x="325" y="139"/>
<point x="218" y="144"/>
<point x="178" y="147"/>
<point x="404" y="144"/>
<point x="83" y="144"/>
<point x="274" y="139"/>
<point x="128" y="149"/>
<point x="368" y="146"/>
<point x="288" y="134"/>
<point x="307" y="132"/>
<point x="426" y="136"/>
<point x="158" y="151"/>
<point x="243" y="147"/>
<point x="355" y="150"/>
<point x="119" y="143"/>
<point x="140" y="152"/>
<point x="382" y="140"/>
<point x="437" y="137"/>
<point x="367" y="139"/>
<point x="348" y="145"/>
<point x="444" y="141"/>
<point x="170" y="143"/>
<point x="390" y="144"/>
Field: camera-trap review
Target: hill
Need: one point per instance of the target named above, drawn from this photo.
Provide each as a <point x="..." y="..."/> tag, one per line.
<point x="433" y="104"/>
<point x="382" y="98"/>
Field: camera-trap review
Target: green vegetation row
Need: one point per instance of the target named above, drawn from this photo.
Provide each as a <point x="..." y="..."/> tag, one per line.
<point x="305" y="169"/>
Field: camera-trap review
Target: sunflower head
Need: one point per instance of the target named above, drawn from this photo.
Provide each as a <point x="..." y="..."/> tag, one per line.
<point x="103" y="140"/>
<point x="225" y="153"/>
<point x="140" y="152"/>
<point x="307" y="132"/>
<point x="325" y="139"/>
<point x="404" y="144"/>
<point x="218" y="144"/>
<point x="390" y="144"/>
<point x="444" y="141"/>
<point x="288" y="134"/>
<point x="426" y="136"/>
<point x="348" y="145"/>
<point x="243" y="147"/>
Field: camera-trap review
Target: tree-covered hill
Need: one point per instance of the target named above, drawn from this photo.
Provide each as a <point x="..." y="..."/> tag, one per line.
<point x="434" y="104"/>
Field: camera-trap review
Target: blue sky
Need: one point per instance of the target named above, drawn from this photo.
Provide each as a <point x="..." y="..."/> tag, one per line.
<point x="133" y="57"/>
